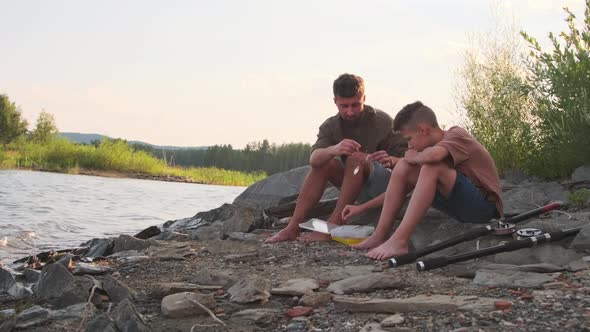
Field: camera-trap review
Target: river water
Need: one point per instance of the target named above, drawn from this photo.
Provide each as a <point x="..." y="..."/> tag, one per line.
<point x="40" y="211"/>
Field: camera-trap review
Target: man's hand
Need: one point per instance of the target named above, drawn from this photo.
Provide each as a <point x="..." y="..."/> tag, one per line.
<point x="383" y="158"/>
<point x="351" y="210"/>
<point x="346" y="147"/>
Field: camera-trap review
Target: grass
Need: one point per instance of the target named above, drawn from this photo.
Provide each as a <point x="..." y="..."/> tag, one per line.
<point x="61" y="155"/>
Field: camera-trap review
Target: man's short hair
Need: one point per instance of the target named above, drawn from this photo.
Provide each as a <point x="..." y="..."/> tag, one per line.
<point x="413" y="114"/>
<point x="348" y="85"/>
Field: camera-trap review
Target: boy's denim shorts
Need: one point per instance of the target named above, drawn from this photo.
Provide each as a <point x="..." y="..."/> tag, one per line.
<point x="376" y="183"/>
<point x="466" y="203"/>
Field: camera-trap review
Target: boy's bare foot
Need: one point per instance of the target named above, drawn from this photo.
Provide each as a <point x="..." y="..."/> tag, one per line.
<point x="388" y="249"/>
<point x="315" y="237"/>
<point x="286" y="234"/>
<point x="371" y="242"/>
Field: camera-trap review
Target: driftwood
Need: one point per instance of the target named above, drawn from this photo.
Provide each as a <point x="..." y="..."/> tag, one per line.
<point x="286" y="210"/>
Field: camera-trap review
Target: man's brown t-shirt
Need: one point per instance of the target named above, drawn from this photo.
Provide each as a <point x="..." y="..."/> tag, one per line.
<point x="472" y="159"/>
<point x="374" y="132"/>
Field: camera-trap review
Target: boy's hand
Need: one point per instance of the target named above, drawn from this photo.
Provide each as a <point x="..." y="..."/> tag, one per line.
<point x="350" y="211"/>
<point x="381" y="157"/>
<point x="411" y="156"/>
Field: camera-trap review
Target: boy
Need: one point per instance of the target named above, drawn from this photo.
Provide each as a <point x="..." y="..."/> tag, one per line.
<point x="447" y="169"/>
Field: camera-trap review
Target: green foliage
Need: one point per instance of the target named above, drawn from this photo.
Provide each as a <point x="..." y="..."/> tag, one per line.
<point x="579" y="199"/>
<point x="560" y="83"/>
<point x="59" y="154"/>
<point x="11" y="124"/>
<point x="45" y="128"/>
<point x="491" y="99"/>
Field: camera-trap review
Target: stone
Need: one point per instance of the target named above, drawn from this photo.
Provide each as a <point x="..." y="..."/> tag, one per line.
<point x="74" y="312"/>
<point x="207" y="233"/>
<point x="128" y="242"/>
<point x="172" y="236"/>
<point x="133" y="259"/>
<point x="415" y="304"/>
<point x="273" y="190"/>
<point x="537" y="268"/>
<point x="555" y="285"/>
<point x="167" y="288"/>
<point x="394" y="320"/>
<point x="315" y="300"/>
<point x="31" y="276"/>
<point x="530" y="195"/>
<point x="33" y="316"/>
<point x="116" y="290"/>
<point x="9" y="285"/>
<point x="87" y="268"/>
<point x="581" y="173"/>
<point x="214" y="277"/>
<point x="227" y="218"/>
<point x="7" y="326"/>
<point x="172" y="251"/>
<point x="148" y="233"/>
<point x="240" y="258"/>
<point x="582" y="240"/>
<point x="244" y="237"/>
<point x="502" y="305"/>
<point x="549" y="253"/>
<point x="250" y="290"/>
<point x="7" y="313"/>
<point x="181" y="304"/>
<point x="127" y="319"/>
<point x="55" y="280"/>
<point x="296" y="287"/>
<point x="578" y="265"/>
<point x="299" y="311"/>
<point x="66" y="261"/>
<point x="99" y="247"/>
<point x="365" y="283"/>
<point x="512" y="279"/>
<point x="101" y="323"/>
<point x="335" y="273"/>
<point x="77" y="293"/>
<point x="255" y="316"/>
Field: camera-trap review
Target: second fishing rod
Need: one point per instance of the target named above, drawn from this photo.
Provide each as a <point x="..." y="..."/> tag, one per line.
<point x="504" y="226"/>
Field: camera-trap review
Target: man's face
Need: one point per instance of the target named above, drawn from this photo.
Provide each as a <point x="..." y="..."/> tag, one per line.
<point x="418" y="138"/>
<point x="350" y="108"/>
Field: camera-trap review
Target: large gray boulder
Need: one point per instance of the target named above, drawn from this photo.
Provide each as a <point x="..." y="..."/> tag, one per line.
<point x="530" y="195"/>
<point x="581" y="173"/>
<point x="277" y="189"/>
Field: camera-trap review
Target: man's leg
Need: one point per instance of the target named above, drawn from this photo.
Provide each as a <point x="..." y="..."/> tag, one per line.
<point x="403" y="177"/>
<point x="311" y="192"/>
<point x="432" y="177"/>
<point x="350" y="189"/>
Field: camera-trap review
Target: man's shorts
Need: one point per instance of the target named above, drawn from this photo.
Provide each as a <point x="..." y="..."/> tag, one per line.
<point x="376" y="183"/>
<point x="466" y="203"/>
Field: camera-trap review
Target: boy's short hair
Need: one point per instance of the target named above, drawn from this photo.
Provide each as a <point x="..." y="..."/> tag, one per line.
<point x="348" y="85"/>
<point x="413" y="114"/>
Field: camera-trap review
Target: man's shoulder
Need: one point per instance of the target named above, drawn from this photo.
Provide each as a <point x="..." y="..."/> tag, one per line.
<point x="379" y="114"/>
<point x="331" y="121"/>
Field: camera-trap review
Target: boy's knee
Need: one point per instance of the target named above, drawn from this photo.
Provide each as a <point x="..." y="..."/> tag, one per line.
<point x="403" y="168"/>
<point x="434" y="169"/>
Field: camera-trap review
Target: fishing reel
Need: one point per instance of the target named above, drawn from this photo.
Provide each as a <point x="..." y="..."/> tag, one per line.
<point x="524" y="233"/>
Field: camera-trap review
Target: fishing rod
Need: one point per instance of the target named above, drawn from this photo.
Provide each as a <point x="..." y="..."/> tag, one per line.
<point x="503" y="226"/>
<point x="528" y="242"/>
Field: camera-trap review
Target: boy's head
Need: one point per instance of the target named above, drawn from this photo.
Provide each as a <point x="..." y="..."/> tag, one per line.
<point x="349" y="96"/>
<point x="417" y="123"/>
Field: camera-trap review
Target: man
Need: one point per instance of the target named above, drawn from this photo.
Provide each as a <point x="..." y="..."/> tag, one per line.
<point x="447" y="169"/>
<point x="352" y="151"/>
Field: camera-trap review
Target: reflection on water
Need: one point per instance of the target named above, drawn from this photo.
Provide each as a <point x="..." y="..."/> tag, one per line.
<point x="41" y="211"/>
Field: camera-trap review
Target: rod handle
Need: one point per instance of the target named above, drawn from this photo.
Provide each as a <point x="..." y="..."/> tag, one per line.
<point x="403" y="259"/>
<point x="431" y="263"/>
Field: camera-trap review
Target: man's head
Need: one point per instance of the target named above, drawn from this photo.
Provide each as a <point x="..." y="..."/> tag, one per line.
<point x="417" y="123"/>
<point x="349" y="96"/>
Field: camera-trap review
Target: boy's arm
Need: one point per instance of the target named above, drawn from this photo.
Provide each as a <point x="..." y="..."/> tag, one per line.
<point x="429" y="156"/>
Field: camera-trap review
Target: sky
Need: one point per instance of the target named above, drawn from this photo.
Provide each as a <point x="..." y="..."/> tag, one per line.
<point x="198" y="73"/>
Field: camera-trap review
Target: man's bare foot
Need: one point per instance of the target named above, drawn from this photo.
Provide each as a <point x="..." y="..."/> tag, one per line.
<point x="315" y="237"/>
<point x="371" y="242"/>
<point x="286" y="234"/>
<point x="388" y="249"/>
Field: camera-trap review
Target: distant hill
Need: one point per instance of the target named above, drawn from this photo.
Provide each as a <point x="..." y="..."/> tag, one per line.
<point x="89" y="138"/>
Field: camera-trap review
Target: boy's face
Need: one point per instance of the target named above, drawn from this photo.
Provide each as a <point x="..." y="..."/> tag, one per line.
<point x="350" y="108"/>
<point x="418" y="138"/>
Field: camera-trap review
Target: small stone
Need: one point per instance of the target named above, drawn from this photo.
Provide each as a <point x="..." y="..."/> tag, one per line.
<point x="315" y="300"/>
<point x="256" y="316"/>
<point x="250" y="290"/>
<point x="296" y="287"/>
<point x="393" y="320"/>
<point x="502" y="305"/>
<point x="555" y="285"/>
<point x="183" y="304"/>
<point x="299" y="311"/>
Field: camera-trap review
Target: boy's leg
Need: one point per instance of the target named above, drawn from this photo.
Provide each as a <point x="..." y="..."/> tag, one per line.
<point x="311" y="192"/>
<point x="432" y="177"/>
<point x="402" y="180"/>
<point x="352" y="185"/>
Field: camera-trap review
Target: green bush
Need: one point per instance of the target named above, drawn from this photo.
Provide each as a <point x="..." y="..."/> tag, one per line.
<point x="559" y="80"/>
<point x="579" y="199"/>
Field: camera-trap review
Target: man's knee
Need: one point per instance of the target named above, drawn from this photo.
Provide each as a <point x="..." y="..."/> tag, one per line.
<point x="330" y="167"/>
<point x="355" y="159"/>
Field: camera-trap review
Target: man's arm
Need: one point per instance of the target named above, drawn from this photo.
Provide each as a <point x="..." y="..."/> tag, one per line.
<point x="321" y="156"/>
